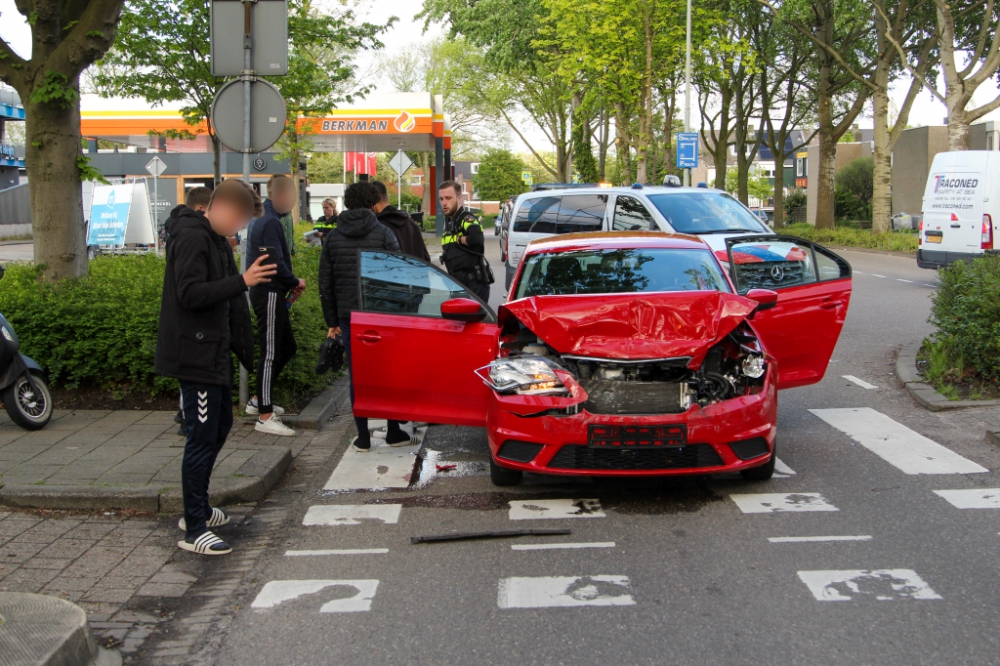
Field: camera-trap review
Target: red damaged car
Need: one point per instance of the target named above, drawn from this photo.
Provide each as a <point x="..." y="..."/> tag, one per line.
<point x="623" y="354"/>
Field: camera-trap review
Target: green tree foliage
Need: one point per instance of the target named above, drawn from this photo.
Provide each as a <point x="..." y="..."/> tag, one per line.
<point x="966" y="312"/>
<point x="584" y="163"/>
<point x="67" y="37"/>
<point x="499" y="176"/>
<point x="856" y="178"/>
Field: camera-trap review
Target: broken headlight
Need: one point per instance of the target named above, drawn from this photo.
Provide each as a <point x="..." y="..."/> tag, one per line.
<point x="753" y="366"/>
<point x="522" y="375"/>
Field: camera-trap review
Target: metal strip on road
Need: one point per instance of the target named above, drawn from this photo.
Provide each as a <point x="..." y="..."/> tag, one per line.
<point x="860" y="382"/>
<point x="973" y="498"/>
<point x="562" y="546"/>
<point x="817" y="539"/>
<point x="908" y="451"/>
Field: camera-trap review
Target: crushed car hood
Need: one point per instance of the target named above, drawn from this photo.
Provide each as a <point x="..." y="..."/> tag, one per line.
<point x="631" y="326"/>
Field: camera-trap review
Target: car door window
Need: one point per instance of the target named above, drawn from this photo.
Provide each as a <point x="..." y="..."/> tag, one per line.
<point x="779" y="262"/>
<point x="631" y="215"/>
<point x="397" y="284"/>
<point x="582" y="212"/>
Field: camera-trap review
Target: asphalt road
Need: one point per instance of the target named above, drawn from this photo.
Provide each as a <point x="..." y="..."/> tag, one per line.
<point x="673" y="572"/>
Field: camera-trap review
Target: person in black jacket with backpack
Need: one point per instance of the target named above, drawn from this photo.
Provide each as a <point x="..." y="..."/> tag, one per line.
<point x="204" y="318"/>
<point x="339" y="274"/>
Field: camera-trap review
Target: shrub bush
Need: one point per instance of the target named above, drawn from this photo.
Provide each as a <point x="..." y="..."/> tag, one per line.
<point x="848" y="236"/>
<point x="966" y="312"/>
<point x="101" y="330"/>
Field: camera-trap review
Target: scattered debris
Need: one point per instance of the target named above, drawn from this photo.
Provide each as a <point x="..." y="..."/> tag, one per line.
<point x="492" y="534"/>
<point x="446" y="468"/>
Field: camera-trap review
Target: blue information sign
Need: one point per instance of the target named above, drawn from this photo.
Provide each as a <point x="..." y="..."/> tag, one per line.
<point x="109" y="214"/>
<point x="687" y="150"/>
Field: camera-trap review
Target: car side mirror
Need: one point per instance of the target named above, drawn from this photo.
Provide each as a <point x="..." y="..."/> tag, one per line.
<point x="463" y="309"/>
<point x="766" y="299"/>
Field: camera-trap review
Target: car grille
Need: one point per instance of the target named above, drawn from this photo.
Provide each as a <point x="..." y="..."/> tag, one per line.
<point x="573" y="456"/>
<point x="749" y="448"/>
<point x="518" y="451"/>
<point x="772" y="275"/>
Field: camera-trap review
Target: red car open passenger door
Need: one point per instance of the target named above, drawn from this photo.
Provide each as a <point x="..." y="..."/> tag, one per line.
<point x="416" y="341"/>
<point x="814" y="291"/>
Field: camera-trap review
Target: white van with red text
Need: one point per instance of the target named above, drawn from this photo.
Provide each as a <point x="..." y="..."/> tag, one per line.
<point x="961" y="208"/>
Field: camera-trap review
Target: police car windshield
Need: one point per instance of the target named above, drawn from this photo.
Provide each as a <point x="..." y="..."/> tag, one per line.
<point x="706" y="213"/>
<point x="620" y="272"/>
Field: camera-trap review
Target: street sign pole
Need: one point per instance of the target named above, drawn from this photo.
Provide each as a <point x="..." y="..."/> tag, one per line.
<point x="247" y="77"/>
<point x="156" y="212"/>
<point x="687" y="88"/>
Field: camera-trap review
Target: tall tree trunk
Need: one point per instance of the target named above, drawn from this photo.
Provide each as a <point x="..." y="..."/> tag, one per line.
<point x="623" y="141"/>
<point x="603" y="144"/>
<point x="779" y="189"/>
<point x="882" y="177"/>
<point x="216" y="158"/>
<point x="827" y="148"/>
<point x="646" y="106"/>
<point x="958" y="125"/>
<point x="53" y="152"/>
<point x="669" y="105"/>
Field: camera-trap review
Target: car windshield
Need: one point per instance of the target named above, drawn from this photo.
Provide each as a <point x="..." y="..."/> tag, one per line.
<point x="620" y="271"/>
<point x="706" y="213"/>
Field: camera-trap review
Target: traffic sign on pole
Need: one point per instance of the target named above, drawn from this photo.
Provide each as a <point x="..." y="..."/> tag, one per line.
<point x="156" y="167"/>
<point x="400" y="163"/>
<point x="267" y="116"/>
<point x="268" y="34"/>
<point x="687" y="150"/>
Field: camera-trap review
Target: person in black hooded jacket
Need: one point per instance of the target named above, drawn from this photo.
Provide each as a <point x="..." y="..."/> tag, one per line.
<point x="339" y="273"/>
<point x="203" y="317"/>
<point x="411" y="241"/>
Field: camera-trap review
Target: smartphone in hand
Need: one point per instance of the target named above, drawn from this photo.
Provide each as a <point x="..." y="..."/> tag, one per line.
<point x="271" y="255"/>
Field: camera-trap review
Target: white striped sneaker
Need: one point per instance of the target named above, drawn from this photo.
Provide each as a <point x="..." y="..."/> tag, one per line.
<point x="206" y="544"/>
<point x="217" y="519"/>
<point x="253" y="410"/>
<point x="274" y="426"/>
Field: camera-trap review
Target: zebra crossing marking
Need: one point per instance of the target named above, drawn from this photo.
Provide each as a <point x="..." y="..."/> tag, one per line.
<point x="555" y="509"/>
<point x="382" y="466"/>
<point x="860" y="382"/>
<point x="346" y="551"/>
<point x="781" y="470"/>
<point x="562" y="546"/>
<point x="908" y="451"/>
<point x="974" y="498"/>
<point x="878" y="584"/>
<point x="351" y="514"/>
<point x="277" y="592"/>
<point x="782" y="502"/>
<point x="814" y="539"/>
<point x="564" y="591"/>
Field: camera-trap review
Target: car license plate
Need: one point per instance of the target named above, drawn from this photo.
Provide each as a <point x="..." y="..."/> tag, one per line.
<point x="636" y="436"/>
<point x="934" y="236"/>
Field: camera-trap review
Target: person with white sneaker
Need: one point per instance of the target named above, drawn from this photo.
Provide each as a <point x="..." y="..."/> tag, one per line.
<point x="204" y="320"/>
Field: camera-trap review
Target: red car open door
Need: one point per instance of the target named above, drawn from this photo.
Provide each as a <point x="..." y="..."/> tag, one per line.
<point x="416" y="341"/>
<point x="814" y="291"/>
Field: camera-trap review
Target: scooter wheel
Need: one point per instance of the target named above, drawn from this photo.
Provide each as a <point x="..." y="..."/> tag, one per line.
<point x="27" y="408"/>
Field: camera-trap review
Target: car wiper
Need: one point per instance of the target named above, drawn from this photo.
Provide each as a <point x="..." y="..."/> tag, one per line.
<point x="723" y="231"/>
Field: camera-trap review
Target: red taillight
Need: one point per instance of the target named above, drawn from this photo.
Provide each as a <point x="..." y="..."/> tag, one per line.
<point x="986" y="242"/>
<point x="920" y="232"/>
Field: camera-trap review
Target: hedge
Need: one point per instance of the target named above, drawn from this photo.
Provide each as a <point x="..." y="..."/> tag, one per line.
<point x="100" y="330"/>
<point x="966" y="312"/>
<point x="854" y="237"/>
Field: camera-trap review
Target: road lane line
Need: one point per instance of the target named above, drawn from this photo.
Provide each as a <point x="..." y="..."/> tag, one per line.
<point x="902" y="280"/>
<point x="562" y="546"/>
<point x="928" y="284"/>
<point x="348" y="551"/>
<point x="860" y="382"/>
<point x="555" y="509"/>
<point x="908" y="451"/>
<point x="279" y="591"/>
<point x="564" y="591"/>
<point x="975" y="498"/>
<point x="782" y="502"/>
<point x="877" y="275"/>
<point x="351" y="514"/>
<point x="812" y="539"/>
<point x="877" y="584"/>
<point x="782" y="468"/>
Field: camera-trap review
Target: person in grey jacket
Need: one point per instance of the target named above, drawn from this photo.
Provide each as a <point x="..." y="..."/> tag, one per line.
<point x="339" y="273"/>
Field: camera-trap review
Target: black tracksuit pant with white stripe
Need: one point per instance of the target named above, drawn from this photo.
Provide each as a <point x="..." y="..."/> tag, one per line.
<point x="276" y="341"/>
<point x="208" y="418"/>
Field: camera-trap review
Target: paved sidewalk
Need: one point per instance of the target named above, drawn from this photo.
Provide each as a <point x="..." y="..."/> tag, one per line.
<point x="129" y="460"/>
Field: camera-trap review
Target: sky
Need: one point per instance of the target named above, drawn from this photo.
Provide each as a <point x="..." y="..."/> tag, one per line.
<point x="407" y="31"/>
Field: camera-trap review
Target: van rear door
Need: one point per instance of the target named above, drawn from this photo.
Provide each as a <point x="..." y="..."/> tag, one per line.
<point x="953" y="208"/>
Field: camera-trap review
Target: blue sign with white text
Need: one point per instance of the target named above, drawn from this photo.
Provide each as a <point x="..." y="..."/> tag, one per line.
<point x="687" y="150"/>
<point x="109" y="214"/>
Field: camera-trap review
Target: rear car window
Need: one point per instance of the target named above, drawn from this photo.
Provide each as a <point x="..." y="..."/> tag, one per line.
<point x="620" y="271"/>
<point x="706" y="213"/>
<point x="561" y="214"/>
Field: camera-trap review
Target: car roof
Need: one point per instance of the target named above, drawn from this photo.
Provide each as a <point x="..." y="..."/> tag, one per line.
<point x="615" y="240"/>
<point x="646" y="189"/>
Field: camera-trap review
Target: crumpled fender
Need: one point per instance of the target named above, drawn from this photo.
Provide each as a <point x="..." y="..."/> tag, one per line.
<point x="631" y="326"/>
<point x="527" y="405"/>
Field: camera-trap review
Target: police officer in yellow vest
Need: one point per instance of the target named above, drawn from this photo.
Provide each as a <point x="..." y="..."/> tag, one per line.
<point x="462" y="246"/>
<point x="328" y="222"/>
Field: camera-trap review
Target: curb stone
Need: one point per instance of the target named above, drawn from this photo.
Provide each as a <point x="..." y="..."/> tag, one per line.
<point x="321" y="408"/>
<point x="924" y="394"/>
<point x="250" y="484"/>
<point x="48" y="631"/>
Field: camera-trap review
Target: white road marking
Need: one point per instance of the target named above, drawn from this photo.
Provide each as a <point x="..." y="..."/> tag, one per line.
<point x="857" y="272"/>
<point x="928" y="284"/>
<point x="782" y="468"/>
<point x="901" y="447"/>
<point x="902" y="280"/>
<point x="351" y="514"/>
<point x="383" y="466"/>
<point x="562" y="546"/>
<point x="812" y="539"/>
<point x="347" y="551"/>
<point x="782" y="502"/>
<point x="565" y="591"/>
<point x="877" y="275"/>
<point x="976" y="498"/>
<point x="860" y="382"/>
<point x="280" y="591"/>
<point x="880" y="584"/>
<point x="555" y="508"/>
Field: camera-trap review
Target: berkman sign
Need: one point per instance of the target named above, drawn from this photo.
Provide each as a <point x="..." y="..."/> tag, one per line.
<point x="403" y="123"/>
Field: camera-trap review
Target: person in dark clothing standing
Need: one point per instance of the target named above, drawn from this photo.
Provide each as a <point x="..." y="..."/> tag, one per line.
<point x="274" y="329"/>
<point x="411" y="241"/>
<point x="339" y="273"/>
<point x="462" y="246"/>
<point x="328" y="220"/>
<point x="204" y="318"/>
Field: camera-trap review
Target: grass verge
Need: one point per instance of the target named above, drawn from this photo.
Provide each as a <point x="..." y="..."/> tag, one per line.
<point x="854" y="237"/>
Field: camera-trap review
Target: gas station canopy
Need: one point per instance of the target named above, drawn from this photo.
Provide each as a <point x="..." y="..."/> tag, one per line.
<point x="384" y="122"/>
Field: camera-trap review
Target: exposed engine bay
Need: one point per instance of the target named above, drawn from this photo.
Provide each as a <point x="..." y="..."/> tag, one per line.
<point x="732" y="367"/>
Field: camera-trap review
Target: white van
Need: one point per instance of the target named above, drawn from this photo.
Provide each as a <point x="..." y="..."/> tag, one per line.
<point x="712" y="214"/>
<point x="961" y="207"/>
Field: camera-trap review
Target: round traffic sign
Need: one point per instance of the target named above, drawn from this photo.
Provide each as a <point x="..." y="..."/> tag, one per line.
<point x="267" y="115"/>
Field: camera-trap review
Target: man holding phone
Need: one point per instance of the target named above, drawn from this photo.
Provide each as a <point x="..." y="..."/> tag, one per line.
<point x="274" y="329"/>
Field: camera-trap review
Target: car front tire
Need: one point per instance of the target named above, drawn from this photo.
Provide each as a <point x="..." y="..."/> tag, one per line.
<point x="501" y="476"/>
<point x="763" y="472"/>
